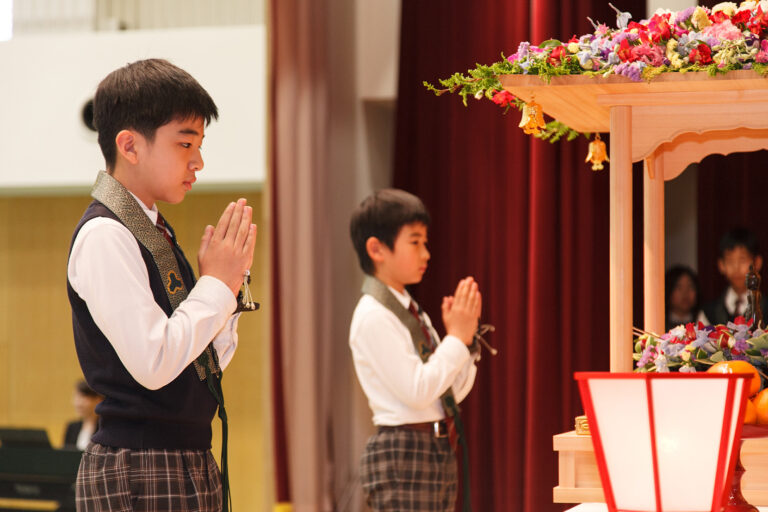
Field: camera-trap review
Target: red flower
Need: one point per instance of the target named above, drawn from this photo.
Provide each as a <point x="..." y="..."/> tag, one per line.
<point x="690" y="332"/>
<point x="573" y="39"/>
<point x="625" y="51"/>
<point x="557" y="54"/>
<point x="503" y="98"/>
<point x="719" y="17"/>
<point x="659" y="28"/>
<point x="741" y="17"/>
<point x="759" y="22"/>
<point x="702" y="54"/>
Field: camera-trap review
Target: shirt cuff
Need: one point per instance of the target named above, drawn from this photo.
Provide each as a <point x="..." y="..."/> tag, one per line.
<point x="454" y="349"/>
<point x="216" y="292"/>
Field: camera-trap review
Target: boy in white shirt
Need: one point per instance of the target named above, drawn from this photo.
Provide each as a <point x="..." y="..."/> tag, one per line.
<point x="412" y="380"/>
<point x="150" y="337"/>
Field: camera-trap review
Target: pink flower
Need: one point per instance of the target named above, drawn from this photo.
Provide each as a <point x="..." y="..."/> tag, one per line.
<point x="762" y="55"/>
<point x="649" y="53"/>
<point x="723" y="31"/>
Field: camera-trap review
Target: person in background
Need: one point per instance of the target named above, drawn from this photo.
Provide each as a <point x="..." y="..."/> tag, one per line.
<point x="79" y="432"/>
<point x="681" y="296"/>
<point x="739" y="249"/>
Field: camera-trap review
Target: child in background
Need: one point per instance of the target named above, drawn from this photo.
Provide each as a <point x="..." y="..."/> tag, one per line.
<point x="406" y="372"/>
<point x="739" y="249"/>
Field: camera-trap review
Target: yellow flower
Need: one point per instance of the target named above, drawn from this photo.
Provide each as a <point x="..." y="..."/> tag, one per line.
<point x="573" y="47"/>
<point x="700" y="19"/>
<point x="675" y="61"/>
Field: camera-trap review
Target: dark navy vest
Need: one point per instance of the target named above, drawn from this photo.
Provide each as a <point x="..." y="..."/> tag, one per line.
<point x="176" y="416"/>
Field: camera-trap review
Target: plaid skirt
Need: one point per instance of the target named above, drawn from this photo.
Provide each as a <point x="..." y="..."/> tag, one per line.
<point x="123" y="480"/>
<point x="408" y="470"/>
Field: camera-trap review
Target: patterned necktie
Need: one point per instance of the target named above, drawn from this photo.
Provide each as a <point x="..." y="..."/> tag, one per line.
<point x="160" y="224"/>
<point x="415" y="312"/>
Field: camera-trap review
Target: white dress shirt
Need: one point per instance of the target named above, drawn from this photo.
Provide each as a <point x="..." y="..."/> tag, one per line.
<point x="107" y="271"/>
<point x="400" y="387"/>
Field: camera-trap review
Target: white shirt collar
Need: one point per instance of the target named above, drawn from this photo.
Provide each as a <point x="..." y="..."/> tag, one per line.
<point x="152" y="213"/>
<point x="404" y="298"/>
<point x="730" y="302"/>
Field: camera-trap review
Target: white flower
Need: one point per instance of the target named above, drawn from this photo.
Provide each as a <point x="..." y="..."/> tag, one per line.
<point x="479" y="95"/>
<point x="728" y="8"/>
<point x="661" y="12"/>
<point x="678" y="332"/>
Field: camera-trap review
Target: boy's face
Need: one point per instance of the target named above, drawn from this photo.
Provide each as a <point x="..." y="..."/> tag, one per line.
<point x="407" y="261"/>
<point x="167" y="165"/>
<point x="734" y="265"/>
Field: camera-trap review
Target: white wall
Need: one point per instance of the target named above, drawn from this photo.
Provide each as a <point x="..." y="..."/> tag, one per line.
<point x="46" y="79"/>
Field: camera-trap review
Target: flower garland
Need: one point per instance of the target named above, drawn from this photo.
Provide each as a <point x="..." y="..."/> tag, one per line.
<point x="695" y="347"/>
<point x="724" y="38"/>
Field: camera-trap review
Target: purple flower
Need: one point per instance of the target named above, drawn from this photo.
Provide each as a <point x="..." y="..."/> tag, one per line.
<point x="741" y="345"/>
<point x="631" y="70"/>
<point x="684" y="15"/>
<point x="521" y="53"/>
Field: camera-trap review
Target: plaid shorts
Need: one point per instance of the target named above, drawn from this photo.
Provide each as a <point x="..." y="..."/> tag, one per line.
<point x="123" y="480"/>
<point x="407" y="470"/>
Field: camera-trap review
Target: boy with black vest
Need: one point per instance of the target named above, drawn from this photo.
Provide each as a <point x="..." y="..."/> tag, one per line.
<point x="413" y="381"/>
<point x="150" y="338"/>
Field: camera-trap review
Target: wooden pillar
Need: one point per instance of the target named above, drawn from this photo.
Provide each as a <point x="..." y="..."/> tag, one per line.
<point x="653" y="246"/>
<point x="620" y="259"/>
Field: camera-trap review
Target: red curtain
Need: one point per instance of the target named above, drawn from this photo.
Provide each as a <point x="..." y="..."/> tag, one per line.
<point x="527" y="218"/>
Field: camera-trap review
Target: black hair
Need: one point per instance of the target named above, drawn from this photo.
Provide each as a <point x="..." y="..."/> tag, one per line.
<point x="382" y="215"/>
<point x="739" y="237"/>
<point x="671" y="278"/>
<point x="83" y="388"/>
<point x="144" y="96"/>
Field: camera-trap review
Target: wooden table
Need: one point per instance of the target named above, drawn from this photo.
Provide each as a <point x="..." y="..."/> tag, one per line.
<point x="579" y="481"/>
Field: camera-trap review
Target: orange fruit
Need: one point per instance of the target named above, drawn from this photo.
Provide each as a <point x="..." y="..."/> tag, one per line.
<point x="750" y="413"/>
<point x="761" y="407"/>
<point x="739" y="367"/>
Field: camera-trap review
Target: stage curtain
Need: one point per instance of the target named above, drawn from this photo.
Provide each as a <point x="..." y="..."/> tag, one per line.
<point x="528" y="219"/>
<point x="301" y="290"/>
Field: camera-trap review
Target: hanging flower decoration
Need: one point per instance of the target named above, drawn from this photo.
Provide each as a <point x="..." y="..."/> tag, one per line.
<point x="727" y="37"/>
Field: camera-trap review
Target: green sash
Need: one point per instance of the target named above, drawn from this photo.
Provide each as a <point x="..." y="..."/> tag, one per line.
<point x="112" y="194"/>
<point x="380" y="292"/>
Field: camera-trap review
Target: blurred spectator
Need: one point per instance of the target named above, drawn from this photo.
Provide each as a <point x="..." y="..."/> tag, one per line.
<point x="739" y="249"/>
<point x="79" y="433"/>
<point x="681" y="296"/>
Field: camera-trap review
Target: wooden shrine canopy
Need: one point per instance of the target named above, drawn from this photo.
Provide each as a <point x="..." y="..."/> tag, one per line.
<point x="673" y="121"/>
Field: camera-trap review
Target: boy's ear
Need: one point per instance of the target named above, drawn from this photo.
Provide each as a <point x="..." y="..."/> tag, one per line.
<point x="758" y="263"/>
<point x="375" y="249"/>
<point x="125" y="141"/>
<point x="721" y="265"/>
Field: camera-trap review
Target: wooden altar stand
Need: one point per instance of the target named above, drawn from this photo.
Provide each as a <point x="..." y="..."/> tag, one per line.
<point x="669" y="123"/>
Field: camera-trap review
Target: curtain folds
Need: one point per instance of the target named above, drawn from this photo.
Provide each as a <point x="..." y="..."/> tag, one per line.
<point x="301" y="294"/>
<point x="528" y="219"/>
